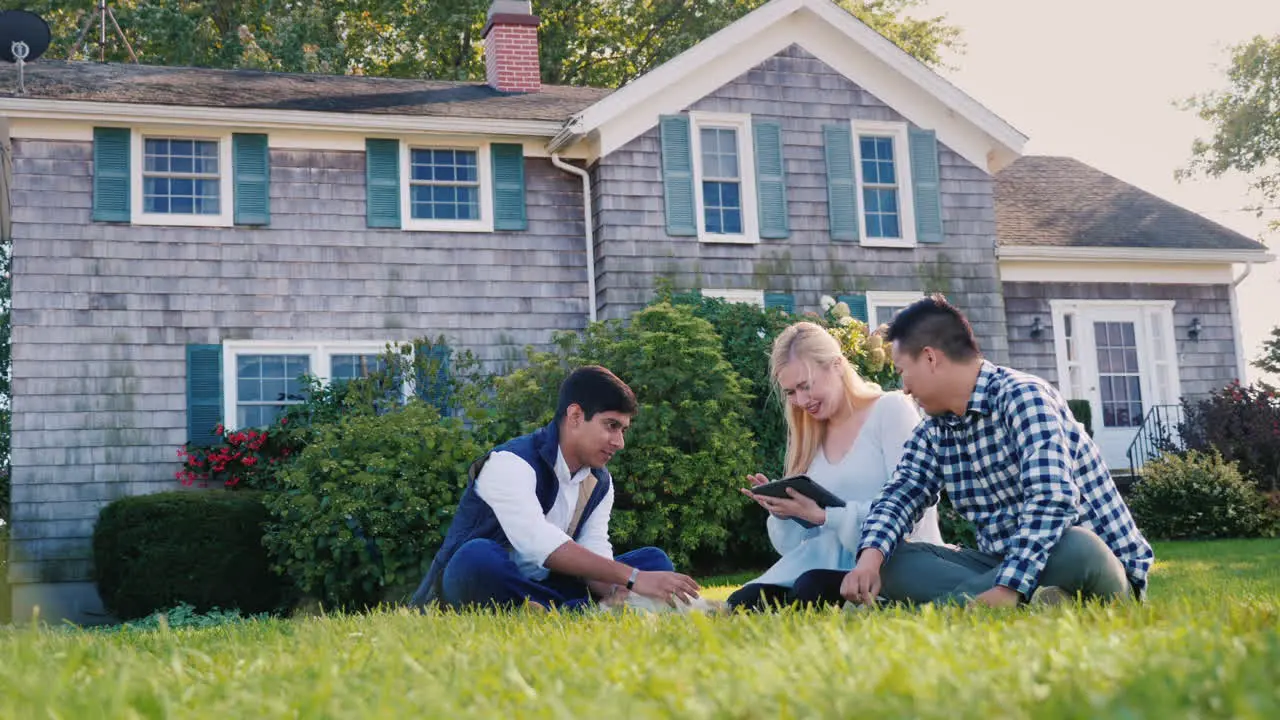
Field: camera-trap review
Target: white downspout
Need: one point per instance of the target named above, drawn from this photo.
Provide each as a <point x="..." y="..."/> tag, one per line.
<point x="587" y="224"/>
<point x="1242" y="365"/>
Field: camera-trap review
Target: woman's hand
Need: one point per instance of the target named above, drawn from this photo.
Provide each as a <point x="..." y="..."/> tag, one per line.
<point x="793" y="506"/>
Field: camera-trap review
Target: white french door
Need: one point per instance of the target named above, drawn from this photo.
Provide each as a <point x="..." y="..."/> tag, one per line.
<point x="1120" y="356"/>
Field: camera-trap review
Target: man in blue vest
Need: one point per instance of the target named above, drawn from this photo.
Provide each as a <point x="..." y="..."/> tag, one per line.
<point x="533" y="524"/>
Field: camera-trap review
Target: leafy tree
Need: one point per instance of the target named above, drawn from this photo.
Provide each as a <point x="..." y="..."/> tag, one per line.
<point x="1269" y="361"/>
<point x="1245" y="118"/>
<point x="602" y="42"/>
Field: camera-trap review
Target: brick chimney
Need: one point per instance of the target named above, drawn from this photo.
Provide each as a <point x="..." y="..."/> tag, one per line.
<point x="511" y="47"/>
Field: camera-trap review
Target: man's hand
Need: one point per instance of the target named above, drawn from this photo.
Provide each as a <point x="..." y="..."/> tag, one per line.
<point x="998" y="596"/>
<point x="665" y="586"/>
<point x="862" y="584"/>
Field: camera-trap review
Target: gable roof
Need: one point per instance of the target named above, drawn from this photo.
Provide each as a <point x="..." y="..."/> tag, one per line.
<point x="1062" y="204"/>
<point x="258" y="90"/>
<point x="834" y="36"/>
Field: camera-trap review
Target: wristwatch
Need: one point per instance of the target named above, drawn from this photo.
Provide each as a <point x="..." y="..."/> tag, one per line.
<point x="635" y="573"/>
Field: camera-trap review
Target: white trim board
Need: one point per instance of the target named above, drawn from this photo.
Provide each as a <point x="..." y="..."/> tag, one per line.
<point x="1052" y="253"/>
<point x="101" y="113"/>
<point x="288" y="139"/>
<point x="833" y="36"/>
<point x="751" y="297"/>
<point x="1165" y="273"/>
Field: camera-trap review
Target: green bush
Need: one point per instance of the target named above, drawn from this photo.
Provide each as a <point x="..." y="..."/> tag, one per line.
<point x="364" y="507"/>
<point x="1198" y="496"/>
<point x="1082" y="411"/>
<point x="955" y="528"/>
<point x="689" y="447"/>
<point x="199" y="547"/>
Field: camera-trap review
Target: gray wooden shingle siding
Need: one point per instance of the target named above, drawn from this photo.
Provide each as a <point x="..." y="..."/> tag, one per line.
<point x="1204" y="365"/>
<point x="803" y="94"/>
<point x="102" y="315"/>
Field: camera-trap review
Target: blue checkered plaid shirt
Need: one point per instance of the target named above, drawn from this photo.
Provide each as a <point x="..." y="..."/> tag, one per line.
<point x="1022" y="469"/>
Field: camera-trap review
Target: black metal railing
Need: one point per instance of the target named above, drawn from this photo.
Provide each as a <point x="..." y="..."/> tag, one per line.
<point x="1157" y="434"/>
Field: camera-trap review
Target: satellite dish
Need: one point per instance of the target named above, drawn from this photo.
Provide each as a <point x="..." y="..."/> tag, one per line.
<point x="18" y="28"/>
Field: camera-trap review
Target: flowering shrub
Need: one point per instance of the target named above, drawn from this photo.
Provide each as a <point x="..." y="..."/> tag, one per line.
<point x="244" y="459"/>
<point x="865" y="348"/>
<point x="1242" y="423"/>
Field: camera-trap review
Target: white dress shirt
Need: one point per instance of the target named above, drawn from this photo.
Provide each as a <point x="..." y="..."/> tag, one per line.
<point x="508" y="485"/>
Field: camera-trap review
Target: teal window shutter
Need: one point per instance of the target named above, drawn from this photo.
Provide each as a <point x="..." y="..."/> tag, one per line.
<point x="771" y="182"/>
<point x="926" y="184"/>
<point x="508" y="187"/>
<point x="111" y="179"/>
<point x="382" y="183"/>
<point x="857" y="305"/>
<point x="204" y="393"/>
<point x="842" y="191"/>
<point x="251" y="163"/>
<point x="783" y="301"/>
<point x="677" y="176"/>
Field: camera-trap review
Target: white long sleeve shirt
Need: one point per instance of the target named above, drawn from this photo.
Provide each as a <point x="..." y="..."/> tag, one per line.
<point x="508" y="485"/>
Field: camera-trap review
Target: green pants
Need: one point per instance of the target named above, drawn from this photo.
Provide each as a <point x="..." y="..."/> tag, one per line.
<point x="922" y="573"/>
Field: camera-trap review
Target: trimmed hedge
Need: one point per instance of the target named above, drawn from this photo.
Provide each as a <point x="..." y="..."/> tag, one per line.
<point x="153" y="552"/>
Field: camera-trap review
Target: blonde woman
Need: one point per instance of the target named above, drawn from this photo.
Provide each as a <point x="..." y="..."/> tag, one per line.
<point x="845" y="433"/>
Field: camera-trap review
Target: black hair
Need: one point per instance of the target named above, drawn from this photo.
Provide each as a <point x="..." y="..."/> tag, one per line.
<point x="934" y="322"/>
<point x="596" y="390"/>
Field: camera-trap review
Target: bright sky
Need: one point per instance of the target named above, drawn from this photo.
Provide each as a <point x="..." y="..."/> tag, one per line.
<point x="1097" y="80"/>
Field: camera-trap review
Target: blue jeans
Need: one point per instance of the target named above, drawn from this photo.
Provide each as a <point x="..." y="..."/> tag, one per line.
<point x="482" y="573"/>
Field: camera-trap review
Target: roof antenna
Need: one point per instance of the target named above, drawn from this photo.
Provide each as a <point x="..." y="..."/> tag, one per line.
<point x="24" y="37"/>
<point x="104" y="13"/>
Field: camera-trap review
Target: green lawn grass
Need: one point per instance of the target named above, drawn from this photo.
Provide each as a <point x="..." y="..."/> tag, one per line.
<point x="1205" y="645"/>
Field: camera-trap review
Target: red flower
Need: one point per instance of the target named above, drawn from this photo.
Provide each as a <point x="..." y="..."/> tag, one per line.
<point x="250" y="461"/>
<point x="218" y="429"/>
<point x="284" y="421"/>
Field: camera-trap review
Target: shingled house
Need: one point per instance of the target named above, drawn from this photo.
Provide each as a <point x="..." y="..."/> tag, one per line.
<point x="186" y="240"/>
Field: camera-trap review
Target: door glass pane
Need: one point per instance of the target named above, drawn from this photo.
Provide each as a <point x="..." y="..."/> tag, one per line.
<point x="1119" y="378"/>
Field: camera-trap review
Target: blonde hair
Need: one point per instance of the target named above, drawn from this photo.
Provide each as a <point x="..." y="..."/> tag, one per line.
<point x="810" y="343"/>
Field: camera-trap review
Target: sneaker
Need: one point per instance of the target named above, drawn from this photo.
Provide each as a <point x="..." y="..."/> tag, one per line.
<point x="1050" y="595"/>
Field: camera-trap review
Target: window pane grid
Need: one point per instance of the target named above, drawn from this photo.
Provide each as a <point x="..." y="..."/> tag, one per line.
<point x="1119" y="374"/>
<point x="444" y="184"/>
<point x="349" y="367"/>
<point x="721" y="181"/>
<point x="181" y="177"/>
<point x="266" y="384"/>
<point x="880" y="187"/>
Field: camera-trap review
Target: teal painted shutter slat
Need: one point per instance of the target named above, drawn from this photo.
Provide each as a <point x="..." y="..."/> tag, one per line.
<point x="204" y="393"/>
<point x="771" y="181"/>
<point x="842" y="191"/>
<point x="677" y="176"/>
<point x="784" y="301"/>
<point x="382" y="183"/>
<point x="857" y="305"/>
<point x="251" y="163"/>
<point x="925" y="184"/>
<point x="508" y="187"/>
<point x="111" y="180"/>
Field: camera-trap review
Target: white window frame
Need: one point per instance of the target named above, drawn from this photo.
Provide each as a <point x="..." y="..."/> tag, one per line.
<point x="889" y="298"/>
<point x="320" y="354"/>
<point x="484" y="170"/>
<point x="746" y="174"/>
<point x="751" y="297"/>
<point x="226" y="185"/>
<point x="902" y="165"/>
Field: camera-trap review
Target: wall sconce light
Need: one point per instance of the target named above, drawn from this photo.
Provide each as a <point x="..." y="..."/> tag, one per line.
<point x="1194" y="331"/>
<point x="1037" y="329"/>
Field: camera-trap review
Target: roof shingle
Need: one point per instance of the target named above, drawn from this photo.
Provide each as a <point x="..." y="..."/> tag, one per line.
<point x="204" y="87"/>
<point x="1062" y="202"/>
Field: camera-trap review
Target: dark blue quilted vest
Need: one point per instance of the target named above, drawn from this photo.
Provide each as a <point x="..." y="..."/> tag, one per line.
<point x="474" y="519"/>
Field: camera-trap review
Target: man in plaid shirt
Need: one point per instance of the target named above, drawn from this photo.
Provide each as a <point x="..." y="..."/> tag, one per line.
<point x="1050" y="522"/>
